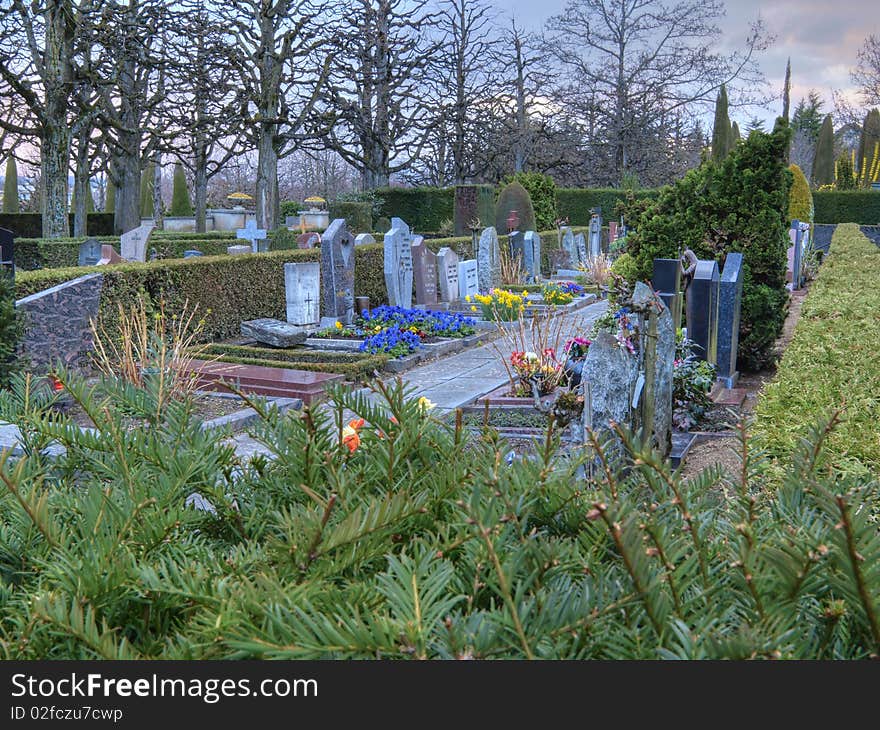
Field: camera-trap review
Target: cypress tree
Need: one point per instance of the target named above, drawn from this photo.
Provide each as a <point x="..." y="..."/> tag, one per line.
<point x="90" y="199"/>
<point x="868" y="145"/>
<point x="721" y="130"/>
<point x="823" y="163"/>
<point x="10" y="187"/>
<point x="786" y="92"/>
<point x="147" y="191"/>
<point x="181" y="205"/>
<point x="735" y="136"/>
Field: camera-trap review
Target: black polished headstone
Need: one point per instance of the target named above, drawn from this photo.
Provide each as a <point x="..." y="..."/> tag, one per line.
<point x="517" y="246"/>
<point x="702" y="310"/>
<point x="666" y="281"/>
<point x="729" y="306"/>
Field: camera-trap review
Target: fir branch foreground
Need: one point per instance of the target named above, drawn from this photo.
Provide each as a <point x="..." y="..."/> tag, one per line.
<point x="421" y="543"/>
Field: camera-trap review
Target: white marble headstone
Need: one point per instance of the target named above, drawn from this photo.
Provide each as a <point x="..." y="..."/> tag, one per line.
<point x="447" y="267"/>
<point x="468" y="278"/>
<point x="133" y="245"/>
<point x="302" y="286"/>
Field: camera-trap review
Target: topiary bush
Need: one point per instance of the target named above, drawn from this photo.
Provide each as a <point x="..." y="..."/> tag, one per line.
<point x="800" y="199"/>
<point x="542" y="192"/>
<point x="740" y="204"/>
<point x="181" y="205"/>
<point x="514" y="197"/>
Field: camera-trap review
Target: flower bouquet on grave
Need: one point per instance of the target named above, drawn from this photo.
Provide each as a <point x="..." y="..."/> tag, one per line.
<point x="541" y="372"/>
<point x="500" y="305"/>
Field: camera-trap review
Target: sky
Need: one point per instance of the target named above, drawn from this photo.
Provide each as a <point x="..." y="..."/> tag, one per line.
<point x="822" y="39"/>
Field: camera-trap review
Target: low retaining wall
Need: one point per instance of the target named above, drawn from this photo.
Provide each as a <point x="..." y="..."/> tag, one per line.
<point x="56" y="323"/>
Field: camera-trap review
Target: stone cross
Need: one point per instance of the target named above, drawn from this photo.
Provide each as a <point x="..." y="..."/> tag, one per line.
<point x="424" y="272"/>
<point x="489" y="260"/>
<point x="337" y="272"/>
<point x="447" y="266"/>
<point x="133" y="245"/>
<point x="89" y="252"/>
<point x="468" y="278"/>
<point x="302" y="287"/>
<point x="256" y="236"/>
<point x="702" y="310"/>
<point x="532" y="257"/>
<point x="398" y="264"/>
<point x="729" y="306"/>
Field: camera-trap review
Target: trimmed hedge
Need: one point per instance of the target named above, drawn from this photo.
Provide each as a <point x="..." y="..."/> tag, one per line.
<point x="847" y="206"/>
<point x="832" y="362"/>
<point x="424" y="209"/>
<point x="227" y="289"/>
<point x="576" y="203"/>
<point x="353" y="365"/>
<point x="358" y="216"/>
<point x="30" y="225"/>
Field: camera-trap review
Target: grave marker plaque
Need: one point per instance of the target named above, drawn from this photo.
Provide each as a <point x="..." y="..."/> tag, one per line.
<point x="468" y="278"/>
<point x="580" y="243"/>
<point x="89" y="252"/>
<point x="570" y="247"/>
<point x="424" y="272"/>
<point x="133" y="245"/>
<point x="337" y="272"/>
<point x="447" y="266"/>
<point x="302" y="287"/>
<point x="667" y="283"/>
<point x="532" y="259"/>
<point x="488" y="260"/>
<point x="398" y="264"/>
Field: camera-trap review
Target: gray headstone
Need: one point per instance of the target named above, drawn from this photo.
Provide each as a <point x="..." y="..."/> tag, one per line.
<point x="580" y="244"/>
<point x="702" y="310"/>
<point x="532" y="258"/>
<point x="447" y="268"/>
<point x="729" y="306"/>
<point x="238" y="250"/>
<point x="663" y="367"/>
<point x="424" y="272"/>
<point x="666" y="281"/>
<point x="257" y="237"/>
<point x="570" y="247"/>
<point x="89" y="252"/>
<point x="364" y="239"/>
<point x="595" y="235"/>
<point x="337" y="272"/>
<point x="517" y="246"/>
<point x="489" y="260"/>
<point x="302" y="288"/>
<point x="274" y="332"/>
<point x="398" y="264"/>
<point x="133" y="245"/>
<point x="468" y="278"/>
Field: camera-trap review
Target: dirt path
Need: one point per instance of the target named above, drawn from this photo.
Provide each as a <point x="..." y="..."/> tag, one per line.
<point x="721" y="447"/>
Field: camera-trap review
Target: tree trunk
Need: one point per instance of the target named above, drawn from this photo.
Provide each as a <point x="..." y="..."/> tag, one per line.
<point x="519" y="154"/>
<point x="81" y="185"/>
<point x="128" y="193"/>
<point x="158" y="203"/>
<point x="54" y="158"/>
<point x="200" y="184"/>
<point x="267" y="179"/>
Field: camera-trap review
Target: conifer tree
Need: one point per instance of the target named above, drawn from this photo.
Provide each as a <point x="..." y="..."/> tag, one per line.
<point x="10" y="187"/>
<point x="721" y="130"/>
<point x="823" y="163"/>
<point x="10" y="327"/>
<point x="181" y="205"/>
<point x="869" y="148"/>
<point x="110" y="197"/>
<point x="147" y="184"/>
<point x="735" y="136"/>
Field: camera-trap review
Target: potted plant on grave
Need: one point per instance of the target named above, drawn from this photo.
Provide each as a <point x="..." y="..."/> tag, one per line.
<point x="575" y="355"/>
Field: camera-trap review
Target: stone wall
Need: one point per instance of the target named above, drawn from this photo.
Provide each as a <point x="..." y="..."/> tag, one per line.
<point x="56" y="323"/>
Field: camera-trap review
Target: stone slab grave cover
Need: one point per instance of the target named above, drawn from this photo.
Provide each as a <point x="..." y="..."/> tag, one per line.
<point x="398" y="264"/>
<point x="307" y="240"/>
<point x="488" y="260"/>
<point x="580" y="244"/>
<point x="729" y="306"/>
<point x="89" y="252"/>
<point x="468" y="278"/>
<point x="666" y="281"/>
<point x="364" y="239"/>
<point x="109" y="256"/>
<point x="570" y="247"/>
<point x="337" y="272"/>
<point x="256" y="236"/>
<point x="702" y="311"/>
<point x="238" y="250"/>
<point x="532" y="260"/>
<point x="424" y="272"/>
<point x="447" y="268"/>
<point x="274" y="332"/>
<point x="302" y="287"/>
<point x="133" y="245"/>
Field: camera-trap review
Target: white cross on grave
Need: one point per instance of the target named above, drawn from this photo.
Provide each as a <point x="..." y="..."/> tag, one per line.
<point x="251" y="233"/>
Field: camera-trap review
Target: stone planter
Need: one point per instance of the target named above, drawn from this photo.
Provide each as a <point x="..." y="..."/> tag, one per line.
<point x="500" y="398"/>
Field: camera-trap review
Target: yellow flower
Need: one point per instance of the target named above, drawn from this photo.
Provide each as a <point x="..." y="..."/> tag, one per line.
<point x="338" y="325"/>
<point x="467" y="298"/>
<point x="425" y="404"/>
<point x="473" y="308"/>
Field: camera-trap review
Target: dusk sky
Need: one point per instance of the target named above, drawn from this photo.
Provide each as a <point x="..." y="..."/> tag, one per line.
<point x="821" y="38"/>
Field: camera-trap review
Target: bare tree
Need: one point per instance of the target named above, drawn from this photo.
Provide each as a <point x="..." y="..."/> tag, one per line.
<point x="642" y="59"/>
<point x="867" y="72"/>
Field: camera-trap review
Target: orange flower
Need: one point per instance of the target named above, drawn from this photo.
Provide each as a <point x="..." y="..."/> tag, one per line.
<point x="350" y="436"/>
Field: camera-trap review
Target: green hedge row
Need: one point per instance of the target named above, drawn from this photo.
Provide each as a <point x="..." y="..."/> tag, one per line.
<point x="847" y="206"/>
<point x="576" y="203"/>
<point x="352" y="365"/>
<point x="30" y="225"/>
<point x="226" y="289"/>
<point x="424" y="209"/>
<point x="832" y="362"/>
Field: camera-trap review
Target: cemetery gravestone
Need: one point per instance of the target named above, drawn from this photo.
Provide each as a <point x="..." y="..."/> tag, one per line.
<point x="302" y="287"/>
<point x="424" y="272"/>
<point x="109" y="256"/>
<point x="730" y="304"/>
<point x="595" y="236"/>
<point x="364" y="239"/>
<point x="307" y="240"/>
<point x="533" y="256"/>
<point x="256" y="236"/>
<point x="612" y="233"/>
<point x="447" y="266"/>
<point x="274" y="332"/>
<point x="570" y="247"/>
<point x="398" y="264"/>
<point x="337" y="273"/>
<point x="580" y="244"/>
<point x="133" y="245"/>
<point x="7" y="250"/>
<point x="89" y="252"/>
<point x="238" y="250"/>
<point x="468" y="278"/>
<point x="517" y="245"/>
<point x="488" y="260"/>
<point x="667" y="283"/>
<point x="702" y="310"/>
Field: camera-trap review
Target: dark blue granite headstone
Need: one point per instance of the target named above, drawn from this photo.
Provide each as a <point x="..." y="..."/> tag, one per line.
<point x="517" y="246"/>
<point x="7" y="249"/>
<point x="667" y="283"/>
<point x="702" y="311"/>
<point x="729" y="305"/>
